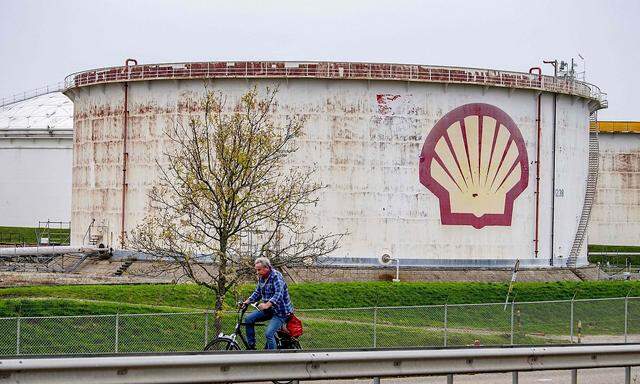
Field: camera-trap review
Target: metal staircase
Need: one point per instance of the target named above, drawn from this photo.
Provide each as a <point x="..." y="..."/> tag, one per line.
<point x="123" y="268"/>
<point x="590" y="194"/>
<point x="73" y="267"/>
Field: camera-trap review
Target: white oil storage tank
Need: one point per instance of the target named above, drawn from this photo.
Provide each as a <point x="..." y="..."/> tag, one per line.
<point x="616" y="212"/>
<point x="437" y="166"/>
<point x="35" y="160"/>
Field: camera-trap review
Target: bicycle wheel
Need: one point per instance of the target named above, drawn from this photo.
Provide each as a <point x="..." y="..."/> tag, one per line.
<point x="222" y="344"/>
<point x="289" y="343"/>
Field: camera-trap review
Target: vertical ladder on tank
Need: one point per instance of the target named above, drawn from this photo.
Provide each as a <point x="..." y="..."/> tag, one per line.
<point x="590" y="194"/>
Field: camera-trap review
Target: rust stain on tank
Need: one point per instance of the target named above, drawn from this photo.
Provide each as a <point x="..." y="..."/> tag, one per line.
<point x="623" y="162"/>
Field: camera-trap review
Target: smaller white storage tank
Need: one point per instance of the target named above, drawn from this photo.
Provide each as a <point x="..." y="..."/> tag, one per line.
<point x="36" y="141"/>
<point x="615" y="219"/>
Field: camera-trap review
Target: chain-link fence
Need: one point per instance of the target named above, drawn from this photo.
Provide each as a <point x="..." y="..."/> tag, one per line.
<point x="516" y="323"/>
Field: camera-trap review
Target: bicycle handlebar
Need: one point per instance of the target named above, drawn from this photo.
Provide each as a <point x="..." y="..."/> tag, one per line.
<point x="242" y="307"/>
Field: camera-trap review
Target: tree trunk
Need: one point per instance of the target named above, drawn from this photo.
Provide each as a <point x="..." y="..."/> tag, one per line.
<point x="222" y="285"/>
<point x="218" y="310"/>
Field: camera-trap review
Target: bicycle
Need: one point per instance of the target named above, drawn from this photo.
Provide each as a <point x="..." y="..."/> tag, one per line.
<point x="229" y="342"/>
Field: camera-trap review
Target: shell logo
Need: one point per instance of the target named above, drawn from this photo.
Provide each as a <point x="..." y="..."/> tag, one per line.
<point x="475" y="161"/>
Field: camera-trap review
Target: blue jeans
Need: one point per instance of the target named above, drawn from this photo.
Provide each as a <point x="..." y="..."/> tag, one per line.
<point x="270" y="334"/>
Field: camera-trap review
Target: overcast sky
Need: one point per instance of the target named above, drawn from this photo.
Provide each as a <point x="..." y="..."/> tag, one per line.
<point x="43" y="41"/>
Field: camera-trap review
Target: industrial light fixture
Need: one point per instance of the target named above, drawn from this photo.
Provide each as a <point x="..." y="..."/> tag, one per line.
<point x="386" y="259"/>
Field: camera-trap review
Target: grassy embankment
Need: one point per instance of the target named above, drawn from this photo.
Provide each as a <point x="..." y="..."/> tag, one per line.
<point x="110" y="299"/>
<point x="350" y="328"/>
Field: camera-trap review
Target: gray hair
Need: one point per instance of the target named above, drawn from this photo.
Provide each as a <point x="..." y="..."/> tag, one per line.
<point x="263" y="261"/>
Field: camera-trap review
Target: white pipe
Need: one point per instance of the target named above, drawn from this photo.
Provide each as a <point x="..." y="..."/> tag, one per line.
<point x="47" y="250"/>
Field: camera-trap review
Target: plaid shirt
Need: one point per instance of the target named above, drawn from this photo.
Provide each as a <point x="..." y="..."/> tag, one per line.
<point x="274" y="289"/>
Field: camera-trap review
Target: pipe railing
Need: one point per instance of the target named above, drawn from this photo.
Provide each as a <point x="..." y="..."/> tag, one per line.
<point x="46" y="250"/>
<point x="315" y="365"/>
<point x="336" y="70"/>
<point x="35" y="133"/>
<point x="371" y="71"/>
<point x="26" y="95"/>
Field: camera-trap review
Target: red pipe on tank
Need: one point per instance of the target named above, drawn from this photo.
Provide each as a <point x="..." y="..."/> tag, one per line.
<point x="125" y="154"/>
<point x="539" y="102"/>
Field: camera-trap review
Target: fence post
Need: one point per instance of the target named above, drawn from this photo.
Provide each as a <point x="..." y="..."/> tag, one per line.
<point x="512" y="310"/>
<point x="571" y="328"/>
<point x="206" y="328"/>
<point x="375" y="326"/>
<point x="445" y="324"/>
<point x="18" y="336"/>
<point x="626" y="317"/>
<point x="117" y="331"/>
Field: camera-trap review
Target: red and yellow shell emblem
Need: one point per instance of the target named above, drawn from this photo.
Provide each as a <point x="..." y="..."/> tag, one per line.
<point x="475" y="161"/>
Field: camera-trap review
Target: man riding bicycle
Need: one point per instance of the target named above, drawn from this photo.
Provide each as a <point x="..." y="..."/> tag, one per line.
<point x="275" y="306"/>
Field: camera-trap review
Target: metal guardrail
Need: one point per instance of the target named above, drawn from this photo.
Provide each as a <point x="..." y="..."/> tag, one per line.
<point x="314" y="365"/>
<point x="337" y="70"/>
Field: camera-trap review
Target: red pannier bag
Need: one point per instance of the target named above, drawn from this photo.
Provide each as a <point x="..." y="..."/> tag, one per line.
<point x="294" y="326"/>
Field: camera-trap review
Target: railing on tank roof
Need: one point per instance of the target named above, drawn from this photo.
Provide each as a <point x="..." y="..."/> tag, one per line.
<point x="336" y="70"/>
<point x="26" y="95"/>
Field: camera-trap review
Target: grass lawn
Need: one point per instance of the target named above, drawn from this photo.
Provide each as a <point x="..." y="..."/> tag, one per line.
<point x="28" y="235"/>
<point x="614" y="259"/>
<point x="613" y="248"/>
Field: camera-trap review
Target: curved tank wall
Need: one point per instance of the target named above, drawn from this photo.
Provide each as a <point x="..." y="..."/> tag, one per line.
<point x="438" y="173"/>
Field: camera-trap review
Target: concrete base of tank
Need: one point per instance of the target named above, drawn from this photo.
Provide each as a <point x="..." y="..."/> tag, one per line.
<point x="452" y="263"/>
<point x="412" y="274"/>
<point x="104" y="272"/>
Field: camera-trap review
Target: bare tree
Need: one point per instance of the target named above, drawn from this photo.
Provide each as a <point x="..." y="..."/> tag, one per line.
<point x="226" y="195"/>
